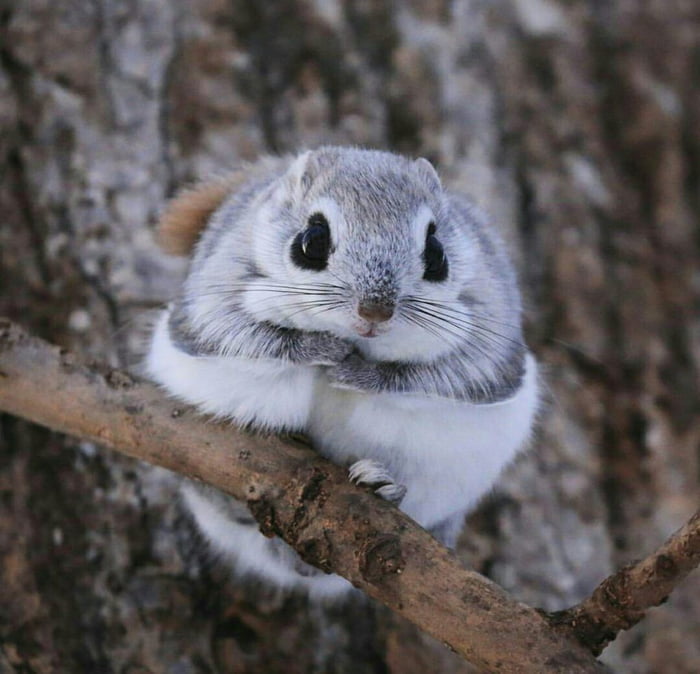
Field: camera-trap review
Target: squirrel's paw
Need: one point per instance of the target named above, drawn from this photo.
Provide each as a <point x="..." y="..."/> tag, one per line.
<point x="371" y="473"/>
<point x="354" y="373"/>
<point x="323" y="348"/>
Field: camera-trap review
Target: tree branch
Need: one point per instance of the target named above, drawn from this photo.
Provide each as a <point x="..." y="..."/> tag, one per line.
<point x="306" y="500"/>
<point x="623" y="598"/>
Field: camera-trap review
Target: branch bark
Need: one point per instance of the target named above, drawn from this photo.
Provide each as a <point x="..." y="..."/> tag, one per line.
<point x="623" y="598"/>
<point x="294" y="494"/>
<point x="308" y="501"/>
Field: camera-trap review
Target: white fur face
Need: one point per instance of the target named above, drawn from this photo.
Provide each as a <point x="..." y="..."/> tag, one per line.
<point x="378" y="209"/>
<point x="379" y="213"/>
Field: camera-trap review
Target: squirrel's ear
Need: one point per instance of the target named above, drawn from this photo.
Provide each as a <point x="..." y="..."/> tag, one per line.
<point x="188" y="213"/>
<point x="308" y="165"/>
<point x="428" y="173"/>
<point x="299" y="174"/>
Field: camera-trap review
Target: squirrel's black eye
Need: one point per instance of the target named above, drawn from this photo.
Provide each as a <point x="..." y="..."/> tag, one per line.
<point x="434" y="257"/>
<point x="310" y="248"/>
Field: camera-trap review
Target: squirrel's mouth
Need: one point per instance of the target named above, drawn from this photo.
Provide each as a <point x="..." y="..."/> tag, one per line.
<point x="371" y="329"/>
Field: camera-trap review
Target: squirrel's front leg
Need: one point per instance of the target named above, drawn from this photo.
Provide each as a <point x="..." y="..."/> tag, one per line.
<point x="256" y="374"/>
<point x="247" y="338"/>
<point x="449" y="377"/>
<point x="355" y="373"/>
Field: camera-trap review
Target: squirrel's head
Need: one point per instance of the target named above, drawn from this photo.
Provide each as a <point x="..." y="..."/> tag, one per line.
<point x="360" y="243"/>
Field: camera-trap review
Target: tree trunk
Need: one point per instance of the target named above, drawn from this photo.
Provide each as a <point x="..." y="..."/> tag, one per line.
<point x="575" y="124"/>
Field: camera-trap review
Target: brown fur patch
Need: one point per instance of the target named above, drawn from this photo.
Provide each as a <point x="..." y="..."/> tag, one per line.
<point x="188" y="213"/>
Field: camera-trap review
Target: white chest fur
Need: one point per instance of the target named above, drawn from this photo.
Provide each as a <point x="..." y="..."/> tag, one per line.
<point x="447" y="453"/>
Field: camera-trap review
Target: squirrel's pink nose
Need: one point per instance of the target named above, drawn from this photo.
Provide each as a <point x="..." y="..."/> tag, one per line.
<point x="376" y="312"/>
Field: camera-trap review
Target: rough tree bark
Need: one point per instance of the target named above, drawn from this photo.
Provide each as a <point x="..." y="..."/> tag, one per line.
<point x="576" y="124"/>
<point x="309" y="502"/>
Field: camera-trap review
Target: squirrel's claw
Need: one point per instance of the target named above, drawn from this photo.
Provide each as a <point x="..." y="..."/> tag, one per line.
<point x="371" y="473"/>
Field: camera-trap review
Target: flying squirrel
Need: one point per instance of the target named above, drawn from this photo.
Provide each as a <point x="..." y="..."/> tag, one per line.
<point x="345" y="294"/>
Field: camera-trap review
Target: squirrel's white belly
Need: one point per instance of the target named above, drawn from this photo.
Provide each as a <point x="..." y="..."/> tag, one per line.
<point x="447" y="453"/>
